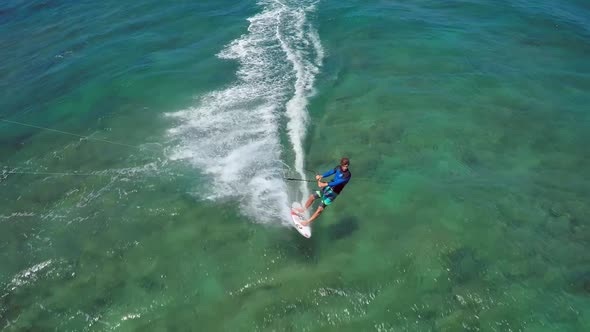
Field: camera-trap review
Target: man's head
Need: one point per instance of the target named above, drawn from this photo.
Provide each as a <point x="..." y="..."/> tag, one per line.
<point x="344" y="162"/>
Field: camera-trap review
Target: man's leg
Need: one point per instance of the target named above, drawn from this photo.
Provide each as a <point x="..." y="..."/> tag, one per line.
<point x="310" y="200"/>
<point x="315" y="215"/>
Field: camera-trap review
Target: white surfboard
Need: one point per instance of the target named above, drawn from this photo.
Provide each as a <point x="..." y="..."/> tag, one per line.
<point x="297" y="219"/>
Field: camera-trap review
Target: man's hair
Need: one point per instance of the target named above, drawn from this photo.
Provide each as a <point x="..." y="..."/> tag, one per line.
<point x="344" y="161"/>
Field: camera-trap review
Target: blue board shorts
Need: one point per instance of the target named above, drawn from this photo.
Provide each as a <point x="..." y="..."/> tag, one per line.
<point x="327" y="195"/>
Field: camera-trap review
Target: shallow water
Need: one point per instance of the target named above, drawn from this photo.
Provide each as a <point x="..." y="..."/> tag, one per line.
<point x="465" y="122"/>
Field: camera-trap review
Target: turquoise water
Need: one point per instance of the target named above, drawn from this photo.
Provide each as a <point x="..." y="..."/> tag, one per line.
<point x="466" y="123"/>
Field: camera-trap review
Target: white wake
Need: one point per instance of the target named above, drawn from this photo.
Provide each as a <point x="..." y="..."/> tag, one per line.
<point x="232" y="135"/>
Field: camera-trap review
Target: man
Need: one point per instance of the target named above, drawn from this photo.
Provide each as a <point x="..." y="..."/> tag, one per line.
<point x="328" y="190"/>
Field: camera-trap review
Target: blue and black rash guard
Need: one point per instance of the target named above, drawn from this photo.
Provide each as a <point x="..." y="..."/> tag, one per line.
<point x="340" y="179"/>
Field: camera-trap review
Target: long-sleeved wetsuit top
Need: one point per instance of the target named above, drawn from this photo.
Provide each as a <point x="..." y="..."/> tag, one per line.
<point x="340" y="179"/>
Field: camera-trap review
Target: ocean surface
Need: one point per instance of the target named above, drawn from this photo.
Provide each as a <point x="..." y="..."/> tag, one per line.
<point x="145" y="146"/>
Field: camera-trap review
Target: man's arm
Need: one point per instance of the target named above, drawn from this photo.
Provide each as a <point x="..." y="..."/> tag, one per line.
<point x="328" y="173"/>
<point x="336" y="182"/>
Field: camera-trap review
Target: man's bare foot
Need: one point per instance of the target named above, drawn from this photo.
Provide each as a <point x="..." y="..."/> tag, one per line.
<point x="305" y="223"/>
<point x="299" y="210"/>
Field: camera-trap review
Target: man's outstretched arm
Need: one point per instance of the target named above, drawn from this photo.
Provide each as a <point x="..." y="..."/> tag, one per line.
<point x="328" y="173"/>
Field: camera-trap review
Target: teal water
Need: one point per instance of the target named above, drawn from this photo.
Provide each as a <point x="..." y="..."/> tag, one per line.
<point x="466" y="123"/>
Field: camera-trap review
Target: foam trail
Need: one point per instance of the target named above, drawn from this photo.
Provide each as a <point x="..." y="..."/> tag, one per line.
<point x="232" y="135"/>
<point x="306" y="61"/>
